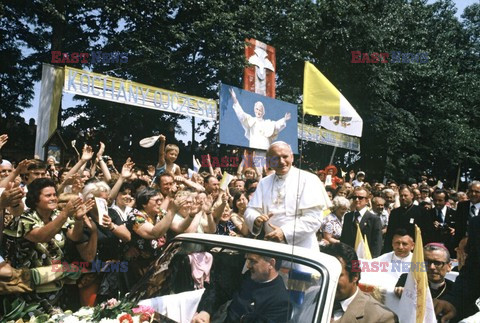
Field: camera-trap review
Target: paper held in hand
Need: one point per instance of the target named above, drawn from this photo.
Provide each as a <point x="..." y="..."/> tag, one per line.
<point x="149" y="141"/>
<point x="226" y="179"/>
<point x="102" y="208"/>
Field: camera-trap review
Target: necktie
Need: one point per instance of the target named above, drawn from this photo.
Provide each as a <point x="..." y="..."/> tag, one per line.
<point x="473" y="211"/>
<point x="439" y="216"/>
<point x="337" y="308"/>
<point x="356" y="217"/>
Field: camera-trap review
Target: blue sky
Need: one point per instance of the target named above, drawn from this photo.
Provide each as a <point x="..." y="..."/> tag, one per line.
<point x="186" y="124"/>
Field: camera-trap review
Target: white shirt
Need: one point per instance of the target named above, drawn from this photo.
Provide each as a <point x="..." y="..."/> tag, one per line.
<point x="345" y="303"/>
<point x="477" y="206"/>
<point x="362" y="213"/>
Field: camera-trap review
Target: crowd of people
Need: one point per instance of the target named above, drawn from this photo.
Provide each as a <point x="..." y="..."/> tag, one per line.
<point x="51" y="217"/>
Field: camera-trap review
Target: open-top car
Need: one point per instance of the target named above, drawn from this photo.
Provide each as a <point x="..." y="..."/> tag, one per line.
<point x="196" y="264"/>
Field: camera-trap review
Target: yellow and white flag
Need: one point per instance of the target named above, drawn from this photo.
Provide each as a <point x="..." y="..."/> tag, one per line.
<point x="361" y="245"/>
<point x="226" y="179"/>
<point x="322" y="98"/>
<point x="416" y="304"/>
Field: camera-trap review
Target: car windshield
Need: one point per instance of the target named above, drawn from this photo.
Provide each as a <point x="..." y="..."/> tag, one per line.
<point x="231" y="282"/>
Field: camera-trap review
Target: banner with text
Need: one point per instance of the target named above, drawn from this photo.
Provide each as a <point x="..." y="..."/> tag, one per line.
<point x="327" y="137"/>
<point x="114" y="89"/>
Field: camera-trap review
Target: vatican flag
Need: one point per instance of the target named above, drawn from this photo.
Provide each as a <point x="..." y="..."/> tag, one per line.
<point x="361" y="245"/>
<point x="322" y="98"/>
<point x="416" y="304"/>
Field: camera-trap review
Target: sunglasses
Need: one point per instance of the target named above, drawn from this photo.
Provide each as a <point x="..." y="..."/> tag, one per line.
<point x="358" y="197"/>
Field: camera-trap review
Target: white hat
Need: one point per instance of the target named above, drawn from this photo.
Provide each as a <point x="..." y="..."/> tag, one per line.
<point x="149" y="141"/>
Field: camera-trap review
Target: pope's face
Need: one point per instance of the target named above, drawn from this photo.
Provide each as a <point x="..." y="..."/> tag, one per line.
<point x="259" y="110"/>
<point x="281" y="158"/>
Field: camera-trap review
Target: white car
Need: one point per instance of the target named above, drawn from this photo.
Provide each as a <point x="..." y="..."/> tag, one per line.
<point x="310" y="277"/>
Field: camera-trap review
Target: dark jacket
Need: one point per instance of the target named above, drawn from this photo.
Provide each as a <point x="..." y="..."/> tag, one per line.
<point x="436" y="294"/>
<point x="466" y="288"/>
<point x="406" y="218"/>
<point x="370" y="225"/>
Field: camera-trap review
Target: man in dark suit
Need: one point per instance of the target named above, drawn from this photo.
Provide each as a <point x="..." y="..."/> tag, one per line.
<point x="370" y="224"/>
<point x="351" y="304"/>
<point x="443" y="219"/>
<point x="466" y="210"/>
<point x="406" y="216"/>
<point x="261" y="296"/>
<point x="460" y="302"/>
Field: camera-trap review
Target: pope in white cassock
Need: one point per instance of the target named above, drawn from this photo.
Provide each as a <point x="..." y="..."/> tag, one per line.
<point x="258" y="131"/>
<point x="288" y="196"/>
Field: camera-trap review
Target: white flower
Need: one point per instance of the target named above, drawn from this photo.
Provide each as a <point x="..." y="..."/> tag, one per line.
<point x="71" y="319"/>
<point x="84" y="312"/>
<point x="105" y="320"/>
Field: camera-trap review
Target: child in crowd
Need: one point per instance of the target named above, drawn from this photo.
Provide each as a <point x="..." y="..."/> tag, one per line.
<point x="167" y="155"/>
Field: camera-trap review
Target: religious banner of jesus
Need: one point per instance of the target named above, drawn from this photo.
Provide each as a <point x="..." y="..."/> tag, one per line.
<point x="255" y="121"/>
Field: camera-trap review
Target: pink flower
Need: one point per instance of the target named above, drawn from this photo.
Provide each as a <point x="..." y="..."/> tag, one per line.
<point x="143" y="309"/>
<point x="111" y="302"/>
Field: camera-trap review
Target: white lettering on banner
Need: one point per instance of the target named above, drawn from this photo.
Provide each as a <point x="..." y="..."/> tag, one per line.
<point x="122" y="91"/>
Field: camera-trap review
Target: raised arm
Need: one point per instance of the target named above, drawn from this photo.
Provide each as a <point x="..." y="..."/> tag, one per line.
<point x="125" y="174"/>
<point x="150" y="231"/>
<point x="20" y="169"/>
<point x="189" y="183"/>
<point x="161" y="151"/>
<point x="101" y="162"/>
<point x="87" y="154"/>
<point x="88" y="250"/>
<point x="47" y="232"/>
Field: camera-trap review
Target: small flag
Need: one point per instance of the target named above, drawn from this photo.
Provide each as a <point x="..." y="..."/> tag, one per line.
<point x="416" y="304"/>
<point x="226" y="179"/>
<point x="361" y="245"/>
<point x="196" y="165"/>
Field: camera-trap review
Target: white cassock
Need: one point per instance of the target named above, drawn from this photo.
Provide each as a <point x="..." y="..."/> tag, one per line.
<point x="297" y="200"/>
<point x="395" y="264"/>
<point x="260" y="132"/>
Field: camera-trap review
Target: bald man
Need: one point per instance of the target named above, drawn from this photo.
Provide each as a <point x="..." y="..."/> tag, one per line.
<point x="274" y="208"/>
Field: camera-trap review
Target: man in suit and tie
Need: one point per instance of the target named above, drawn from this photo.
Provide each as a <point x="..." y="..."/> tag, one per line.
<point x="466" y="210"/>
<point x="351" y="304"/>
<point x="370" y="224"/>
<point x="443" y="219"/>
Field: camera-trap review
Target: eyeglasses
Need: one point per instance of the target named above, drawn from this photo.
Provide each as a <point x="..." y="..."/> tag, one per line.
<point x="358" y="197"/>
<point x="157" y="200"/>
<point x="436" y="263"/>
